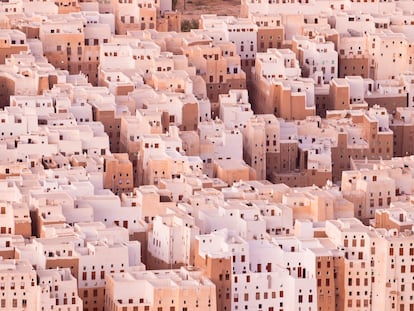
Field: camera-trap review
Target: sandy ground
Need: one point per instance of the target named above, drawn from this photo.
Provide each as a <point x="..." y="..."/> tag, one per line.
<point x="192" y="9"/>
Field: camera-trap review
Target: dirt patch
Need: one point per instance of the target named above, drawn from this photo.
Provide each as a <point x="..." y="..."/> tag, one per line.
<point x="192" y="9"/>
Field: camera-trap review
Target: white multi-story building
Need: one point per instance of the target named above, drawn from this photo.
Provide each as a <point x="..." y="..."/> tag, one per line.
<point x="346" y="22"/>
<point x="318" y="58"/>
<point x="393" y="272"/>
<point x="277" y="63"/>
<point x="58" y="289"/>
<point x="171" y="240"/>
<point x="18" y="284"/>
<point x="408" y="81"/>
<point x="235" y="109"/>
<point x="218" y="142"/>
<point x="258" y="274"/>
<point x="389" y="54"/>
<point x="375" y="188"/>
<point x="184" y="289"/>
<point x="128" y="54"/>
<point x="241" y="31"/>
<point x="358" y="278"/>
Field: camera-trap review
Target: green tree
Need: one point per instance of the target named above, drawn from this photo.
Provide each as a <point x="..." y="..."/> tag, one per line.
<point x="187" y="25"/>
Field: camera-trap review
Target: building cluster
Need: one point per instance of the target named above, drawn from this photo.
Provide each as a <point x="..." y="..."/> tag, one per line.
<point x="261" y="162"/>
